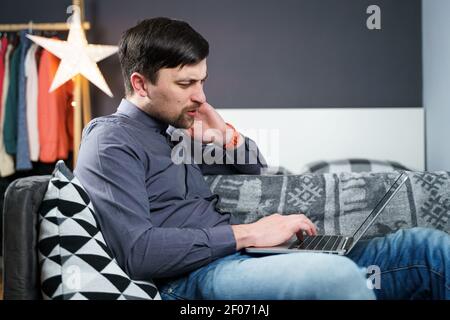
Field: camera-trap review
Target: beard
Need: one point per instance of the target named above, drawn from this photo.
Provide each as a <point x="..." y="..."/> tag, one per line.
<point x="181" y="120"/>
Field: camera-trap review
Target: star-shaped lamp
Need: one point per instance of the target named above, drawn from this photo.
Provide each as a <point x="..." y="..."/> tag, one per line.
<point x="77" y="56"/>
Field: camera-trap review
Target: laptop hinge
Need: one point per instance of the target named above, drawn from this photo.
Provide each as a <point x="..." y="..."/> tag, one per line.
<point x="348" y="243"/>
<point x="345" y="243"/>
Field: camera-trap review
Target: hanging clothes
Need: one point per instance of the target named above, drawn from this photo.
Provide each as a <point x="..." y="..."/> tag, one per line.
<point x="54" y="112"/>
<point x="23" y="161"/>
<point x="10" y="123"/>
<point x="31" y="74"/>
<point x="3" y="48"/>
<point x="6" y="161"/>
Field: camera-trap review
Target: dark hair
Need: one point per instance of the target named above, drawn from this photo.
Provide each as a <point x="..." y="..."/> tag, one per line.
<point x="159" y="43"/>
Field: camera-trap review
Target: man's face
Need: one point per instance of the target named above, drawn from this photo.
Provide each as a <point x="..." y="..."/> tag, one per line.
<point x="177" y="94"/>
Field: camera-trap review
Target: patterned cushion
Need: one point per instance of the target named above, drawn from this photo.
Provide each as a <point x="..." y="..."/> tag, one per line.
<point x="74" y="259"/>
<point x="353" y="165"/>
<point x="338" y="202"/>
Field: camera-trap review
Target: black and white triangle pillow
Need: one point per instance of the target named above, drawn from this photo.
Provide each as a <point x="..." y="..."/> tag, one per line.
<point x="75" y="261"/>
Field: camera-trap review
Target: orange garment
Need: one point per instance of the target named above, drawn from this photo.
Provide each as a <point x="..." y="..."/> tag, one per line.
<point x="55" y="112"/>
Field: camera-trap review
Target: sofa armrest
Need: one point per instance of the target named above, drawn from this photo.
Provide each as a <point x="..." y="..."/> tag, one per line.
<point x="21" y="280"/>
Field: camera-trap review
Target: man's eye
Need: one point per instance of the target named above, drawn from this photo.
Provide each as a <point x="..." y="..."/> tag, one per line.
<point x="184" y="84"/>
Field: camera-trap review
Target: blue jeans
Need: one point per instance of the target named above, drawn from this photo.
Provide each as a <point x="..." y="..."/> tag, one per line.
<point x="408" y="264"/>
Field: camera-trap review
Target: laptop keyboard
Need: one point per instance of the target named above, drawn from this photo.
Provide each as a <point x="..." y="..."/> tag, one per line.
<point x="321" y="243"/>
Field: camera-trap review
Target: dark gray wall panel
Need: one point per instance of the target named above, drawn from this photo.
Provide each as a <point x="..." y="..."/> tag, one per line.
<point x="290" y="53"/>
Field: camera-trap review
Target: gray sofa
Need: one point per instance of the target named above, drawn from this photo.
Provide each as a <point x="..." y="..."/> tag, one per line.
<point x="336" y="202"/>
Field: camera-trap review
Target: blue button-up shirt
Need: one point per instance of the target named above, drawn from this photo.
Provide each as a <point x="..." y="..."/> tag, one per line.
<point x="158" y="217"/>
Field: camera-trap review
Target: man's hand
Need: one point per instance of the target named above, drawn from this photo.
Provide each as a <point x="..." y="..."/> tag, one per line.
<point x="209" y="126"/>
<point x="272" y="230"/>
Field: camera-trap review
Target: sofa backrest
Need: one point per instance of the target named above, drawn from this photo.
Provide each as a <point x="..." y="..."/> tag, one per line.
<point x="21" y="276"/>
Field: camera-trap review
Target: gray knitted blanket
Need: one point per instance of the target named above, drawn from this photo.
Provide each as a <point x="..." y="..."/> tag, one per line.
<point x="338" y="203"/>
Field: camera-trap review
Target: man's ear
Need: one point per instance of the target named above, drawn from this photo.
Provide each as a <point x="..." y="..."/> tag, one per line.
<point x="139" y="84"/>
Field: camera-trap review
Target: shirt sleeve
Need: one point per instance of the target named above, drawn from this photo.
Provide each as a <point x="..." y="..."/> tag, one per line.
<point x="245" y="159"/>
<point x="114" y="175"/>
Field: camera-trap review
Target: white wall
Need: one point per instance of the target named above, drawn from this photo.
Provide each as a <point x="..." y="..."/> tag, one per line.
<point x="293" y="138"/>
<point x="436" y="81"/>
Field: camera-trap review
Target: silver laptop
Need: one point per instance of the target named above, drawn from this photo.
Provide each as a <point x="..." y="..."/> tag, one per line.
<point x="335" y="244"/>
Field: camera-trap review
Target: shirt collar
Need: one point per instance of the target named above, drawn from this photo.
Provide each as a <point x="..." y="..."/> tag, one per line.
<point x="133" y="112"/>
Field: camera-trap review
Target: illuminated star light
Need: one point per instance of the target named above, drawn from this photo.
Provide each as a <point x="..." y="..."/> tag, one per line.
<point x="77" y="56"/>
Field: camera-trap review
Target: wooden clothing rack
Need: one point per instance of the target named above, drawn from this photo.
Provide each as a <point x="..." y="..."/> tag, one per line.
<point x="82" y="100"/>
<point x="57" y="26"/>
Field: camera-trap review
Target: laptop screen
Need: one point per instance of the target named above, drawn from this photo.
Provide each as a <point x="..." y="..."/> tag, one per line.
<point x="380" y="206"/>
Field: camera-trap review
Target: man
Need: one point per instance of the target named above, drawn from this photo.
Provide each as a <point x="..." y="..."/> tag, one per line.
<point x="158" y="215"/>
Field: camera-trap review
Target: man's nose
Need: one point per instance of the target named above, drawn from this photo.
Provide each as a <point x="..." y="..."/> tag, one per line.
<point x="199" y="96"/>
